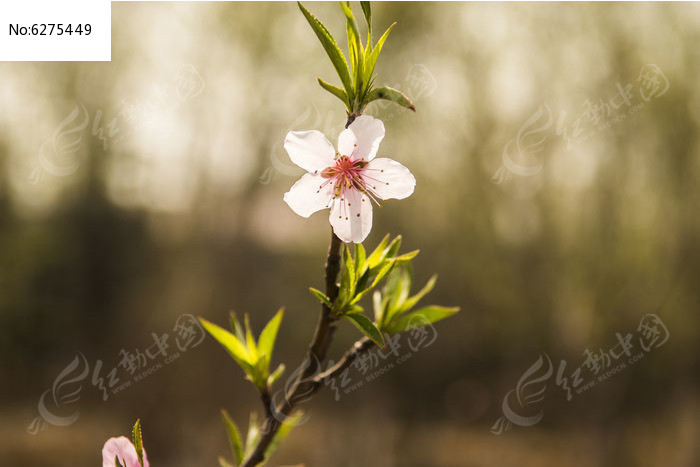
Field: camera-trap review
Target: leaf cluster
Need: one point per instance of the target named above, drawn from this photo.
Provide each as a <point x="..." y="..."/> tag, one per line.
<point x="241" y="451"/>
<point x="251" y="355"/>
<point x="357" y="77"/>
<point x="393" y="305"/>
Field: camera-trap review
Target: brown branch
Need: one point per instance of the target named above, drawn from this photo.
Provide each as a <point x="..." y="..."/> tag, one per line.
<point x="266" y="402"/>
<point x="305" y="384"/>
<point x="361" y="346"/>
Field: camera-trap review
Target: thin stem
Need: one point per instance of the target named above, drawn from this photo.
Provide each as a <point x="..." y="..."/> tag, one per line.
<point x="266" y="402"/>
<point x="360" y="347"/>
<point x="305" y="384"/>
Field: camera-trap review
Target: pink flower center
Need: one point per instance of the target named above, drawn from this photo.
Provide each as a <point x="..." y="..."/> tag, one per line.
<point x="346" y="174"/>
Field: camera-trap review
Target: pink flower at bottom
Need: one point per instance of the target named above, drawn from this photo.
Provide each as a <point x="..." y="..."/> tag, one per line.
<point x="121" y="449"/>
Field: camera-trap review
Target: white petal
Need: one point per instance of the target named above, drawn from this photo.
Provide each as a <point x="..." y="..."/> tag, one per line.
<point x="307" y="195"/>
<point x="389" y="179"/>
<point x="369" y="132"/>
<point x="310" y="150"/>
<point x="351" y="216"/>
<point x="346" y="142"/>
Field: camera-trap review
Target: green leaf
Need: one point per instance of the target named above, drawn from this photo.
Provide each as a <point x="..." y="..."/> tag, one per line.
<point x="354" y="47"/>
<point x="406" y="257"/>
<point x="266" y="342"/>
<point x="250" y="341"/>
<point x="379" y="253"/>
<point x="360" y="259"/>
<point x="234" y="438"/>
<point x="253" y="433"/>
<point x="137" y="439"/>
<point x="411" y="302"/>
<point x="362" y="281"/>
<point x="347" y="283"/>
<point x="224" y="463"/>
<point x="234" y="347"/>
<point x="367" y="327"/>
<point x="422" y="317"/>
<point x="385" y="269"/>
<point x="275" y="374"/>
<point x="393" y="247"/>
<point x="332" y="49"/>
<point x="282" y="433"/>
<point x="398" y="288"/>
<point x="323" y="298"/>
<point x="371" y="58"/>
<point x="349" y="266"/>
<point x="378" y="304"/>
<point x="337" y="92"/>
<point x="236" y="326"/>
<point x="391" y="94"/>
<point x="367" y="11"/>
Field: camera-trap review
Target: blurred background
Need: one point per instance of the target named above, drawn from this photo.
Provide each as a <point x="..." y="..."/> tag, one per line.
<point x="557" y="157"/>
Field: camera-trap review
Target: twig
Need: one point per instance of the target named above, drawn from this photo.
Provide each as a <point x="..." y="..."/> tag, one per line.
<point x="361" y="346"/>
<point x="305" y="383"/>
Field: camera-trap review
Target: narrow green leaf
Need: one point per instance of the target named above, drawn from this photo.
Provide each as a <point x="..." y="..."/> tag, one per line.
<point x="362" y="281"/>
<point x="234" y="438"/>
<point x="393" y="247"/>
<point x="250" y="341"/>
<point x="360" y="259"/>
<point x="275" y="374"/>
<point x="406" y="257"/>
<point x="323" y="298"/>
<point x="367" y="11"/>
<point x="347" y="282"/>
<point x="349" y="265"/>
<point x="386" y="267"/>
<point x="422" y="317"/>
<point x="137" y="439"/>
<point x="371" y="58"/>
<point x="367" y="327"/>
<point x="236" y="326"/>
<point x="253" y="433"/>
<point x="331" y="48"/>
<point x="234" y="347"/>
<point x="262" y="367"/>
<point x="354" y="46"/>
<point x="399" y="289"/>
<point x="337" y="92"/>
<point x="266" y="342"/>
<point x="378" y="306"/>
<point x="378" y="254"/>
<point x="411" y="301"/>
<point x="391" y="94"/>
